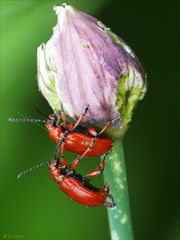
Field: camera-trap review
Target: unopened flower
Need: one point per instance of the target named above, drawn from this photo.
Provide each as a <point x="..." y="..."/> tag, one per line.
<point x="85" y="63"/>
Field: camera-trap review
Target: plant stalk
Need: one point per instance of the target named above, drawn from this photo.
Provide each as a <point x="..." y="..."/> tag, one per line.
<point x="115" y="175"/>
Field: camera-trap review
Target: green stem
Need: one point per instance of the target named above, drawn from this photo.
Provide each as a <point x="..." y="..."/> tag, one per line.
<point x="115" y="176"/>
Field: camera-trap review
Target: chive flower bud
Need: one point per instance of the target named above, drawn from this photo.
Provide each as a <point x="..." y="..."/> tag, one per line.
<point x="85" y="63"/>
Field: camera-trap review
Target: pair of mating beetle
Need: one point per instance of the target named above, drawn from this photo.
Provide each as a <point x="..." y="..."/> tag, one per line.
<point x="84" y="141"/>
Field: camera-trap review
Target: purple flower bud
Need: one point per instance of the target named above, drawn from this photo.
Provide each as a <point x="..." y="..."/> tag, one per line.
<point x="84" y="63"/>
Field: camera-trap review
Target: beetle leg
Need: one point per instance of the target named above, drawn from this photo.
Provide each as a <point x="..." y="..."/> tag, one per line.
<point x="63" y="115"/>
<point x="110" y="204"/>
<point x="99" y="169"/>
<point x="80" y="118"/>
<point x="62" y="150"/>
<point x="76" y="162"/>
<point x="63" y="161"/>
<point x="108" y="124"/>
<point x="59" y="145"/>
<point x="59" y="163"/>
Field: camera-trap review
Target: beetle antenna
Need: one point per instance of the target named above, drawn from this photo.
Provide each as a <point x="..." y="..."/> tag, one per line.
<point x="25" y="120"/>
<point x="32" y="169"/>
<point x="42" y="113"/>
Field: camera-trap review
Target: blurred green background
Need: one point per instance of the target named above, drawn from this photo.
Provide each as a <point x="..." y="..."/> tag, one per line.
<point x="33" y="208"/>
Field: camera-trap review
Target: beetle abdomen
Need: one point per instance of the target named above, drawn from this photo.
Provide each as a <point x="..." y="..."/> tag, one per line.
<point x="79" y="193"/>
<point x="78" y="143"/>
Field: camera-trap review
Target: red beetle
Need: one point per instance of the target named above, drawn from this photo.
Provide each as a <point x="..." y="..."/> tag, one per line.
<point x="76" y="186"/>
<point x="84" y="141"/>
